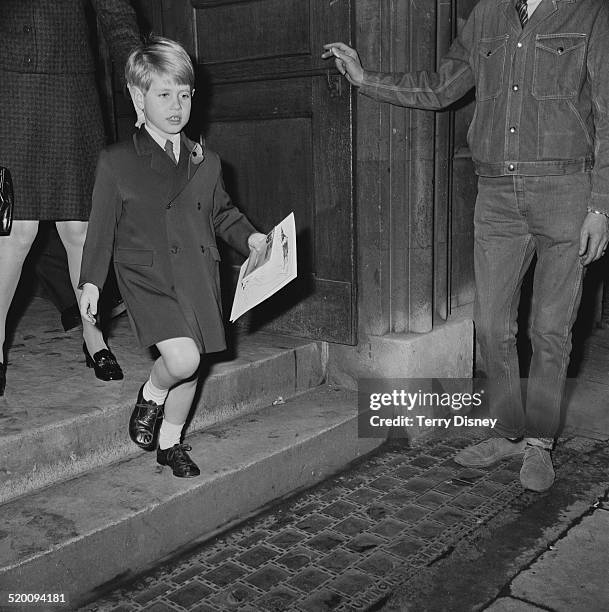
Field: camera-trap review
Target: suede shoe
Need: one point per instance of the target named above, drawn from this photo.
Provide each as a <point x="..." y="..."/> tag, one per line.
<point x="489" y="452"/>
<point x="537" y="472"/>
<point x="145" y="422"/>
<point x="178" y="460"/>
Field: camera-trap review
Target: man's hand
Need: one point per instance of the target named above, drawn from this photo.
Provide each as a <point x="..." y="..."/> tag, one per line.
<point x="347" y="61"/>
<point x="88" y="302"/>
<point x="594" y="237"/>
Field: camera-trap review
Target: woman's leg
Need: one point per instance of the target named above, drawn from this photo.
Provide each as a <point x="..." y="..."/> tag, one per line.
<point x="13" y="251"/>
<point x="73" y="234"/>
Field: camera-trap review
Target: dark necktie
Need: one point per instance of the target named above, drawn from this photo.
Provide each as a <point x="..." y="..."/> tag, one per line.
<point x="169" y="151"/>
<point x="521" y="9"/>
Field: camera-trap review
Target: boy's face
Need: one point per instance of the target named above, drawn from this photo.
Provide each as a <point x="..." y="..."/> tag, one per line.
<point x="166" y="105"/>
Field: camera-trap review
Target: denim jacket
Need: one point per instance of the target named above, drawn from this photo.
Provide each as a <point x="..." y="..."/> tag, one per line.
<point x="542" y="91"/>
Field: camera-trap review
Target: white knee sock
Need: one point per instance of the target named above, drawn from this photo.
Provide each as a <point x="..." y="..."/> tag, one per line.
<point x="154" y="394"/>
<point x="169" y="434"/>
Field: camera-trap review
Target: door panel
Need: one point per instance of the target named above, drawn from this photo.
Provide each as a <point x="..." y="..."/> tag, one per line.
<point x="249" y="30"/>
<point x="281" y="119"/>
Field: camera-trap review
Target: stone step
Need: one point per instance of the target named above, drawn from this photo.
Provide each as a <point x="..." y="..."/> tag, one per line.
<point x="55" y="428"/>
<point x="112" y="523"/>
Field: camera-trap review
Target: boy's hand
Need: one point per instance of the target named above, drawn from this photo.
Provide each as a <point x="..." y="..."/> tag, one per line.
<point x="257" y="242"/>
<point x="88" y="302"/>
<point x="347" y="61"/>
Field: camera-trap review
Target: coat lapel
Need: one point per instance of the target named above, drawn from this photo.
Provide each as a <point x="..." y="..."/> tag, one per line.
<point x="509" y="8"/>
<point x="175" y="178"/>
<point x="146" y="146"/>
<point x="190" y="160"/>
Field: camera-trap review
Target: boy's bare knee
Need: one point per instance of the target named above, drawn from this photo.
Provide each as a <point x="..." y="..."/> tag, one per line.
<point x="183" y="365"/>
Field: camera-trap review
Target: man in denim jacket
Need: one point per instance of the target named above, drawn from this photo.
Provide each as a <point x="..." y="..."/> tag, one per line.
<point x="540" y="144"/>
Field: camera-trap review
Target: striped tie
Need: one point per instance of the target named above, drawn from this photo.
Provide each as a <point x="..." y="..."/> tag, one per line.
<point x="521" y="9"/>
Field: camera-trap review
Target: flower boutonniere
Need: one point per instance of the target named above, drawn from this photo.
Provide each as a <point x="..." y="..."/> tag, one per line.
<point x="197" y="155"/>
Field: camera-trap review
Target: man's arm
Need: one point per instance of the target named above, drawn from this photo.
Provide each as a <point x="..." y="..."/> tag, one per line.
<point x="595" y="229"/>
<point x="422" y="89"/>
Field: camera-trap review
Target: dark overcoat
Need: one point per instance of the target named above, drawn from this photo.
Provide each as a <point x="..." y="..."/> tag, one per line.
<point x="160" y="221"/>
<point x="51" y="128"/>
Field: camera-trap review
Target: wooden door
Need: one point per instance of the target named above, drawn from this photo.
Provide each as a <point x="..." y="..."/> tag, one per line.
<point x="281" y="119"/>
<point x="464" y="189"/>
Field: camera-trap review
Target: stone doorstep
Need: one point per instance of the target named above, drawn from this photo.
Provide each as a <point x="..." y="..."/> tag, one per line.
<point x="69" y="440"/>
<point x="110" y="524"/>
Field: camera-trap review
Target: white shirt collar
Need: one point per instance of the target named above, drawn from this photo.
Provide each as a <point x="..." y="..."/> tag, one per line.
<point x="532" y="5"/>
<point x="161" y="140"/>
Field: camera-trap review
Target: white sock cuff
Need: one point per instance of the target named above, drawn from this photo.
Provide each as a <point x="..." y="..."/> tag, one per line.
<point x="154" y="394"/>
<point x="169" y="434"/>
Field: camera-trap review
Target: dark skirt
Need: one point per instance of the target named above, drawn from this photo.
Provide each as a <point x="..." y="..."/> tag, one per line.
<point x="51" y="132"/>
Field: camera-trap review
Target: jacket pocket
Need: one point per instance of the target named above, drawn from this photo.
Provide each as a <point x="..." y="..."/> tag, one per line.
<point x="559" y="61"/>
<point x="491" y="61"/>
<point x="134" y="257"/>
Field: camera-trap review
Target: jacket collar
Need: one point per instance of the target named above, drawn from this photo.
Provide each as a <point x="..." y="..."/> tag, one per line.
<point x="177" y="177"/>
<point x="545" y="9"/>
<point x="145" y="145"/>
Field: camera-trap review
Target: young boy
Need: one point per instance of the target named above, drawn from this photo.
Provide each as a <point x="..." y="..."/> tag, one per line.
<point x="158" y="204"/>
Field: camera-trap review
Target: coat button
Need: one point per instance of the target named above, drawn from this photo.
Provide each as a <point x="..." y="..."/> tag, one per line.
<point x="560" y="50"/>
<point x="511" y="167"/>
<point x="512" y="130"/>
<point x="174" y="250"/>
<point x="26" y="29"/>
<point x="168" y="206"/>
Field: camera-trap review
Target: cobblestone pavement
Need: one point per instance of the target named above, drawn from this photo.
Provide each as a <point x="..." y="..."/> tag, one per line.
<point x="344" y="545"/>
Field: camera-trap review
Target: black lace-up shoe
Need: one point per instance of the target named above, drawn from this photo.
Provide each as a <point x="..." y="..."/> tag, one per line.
<point x="178" y="460"/>
<point x="145" y="422"/>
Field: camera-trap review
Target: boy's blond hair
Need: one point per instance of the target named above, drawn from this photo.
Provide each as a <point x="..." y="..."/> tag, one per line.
<point x="162" y="57"/>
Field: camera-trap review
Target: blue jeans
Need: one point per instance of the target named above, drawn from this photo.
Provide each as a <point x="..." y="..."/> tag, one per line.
<point x="516" y="218"/>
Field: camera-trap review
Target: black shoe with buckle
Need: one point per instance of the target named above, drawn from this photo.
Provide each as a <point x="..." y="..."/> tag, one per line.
<point x="178" y="460"/>
<point x="104" y="363"/>
<point x="145" y="422"/>
<point x="2" y="378"/>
